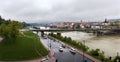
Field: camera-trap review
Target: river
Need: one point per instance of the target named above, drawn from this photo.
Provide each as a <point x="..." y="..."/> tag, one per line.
<point x="109" y="44"/>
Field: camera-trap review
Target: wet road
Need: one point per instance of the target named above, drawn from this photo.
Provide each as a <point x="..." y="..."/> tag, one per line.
<point x="69" y="57"/>
<point x="66" y="55"/>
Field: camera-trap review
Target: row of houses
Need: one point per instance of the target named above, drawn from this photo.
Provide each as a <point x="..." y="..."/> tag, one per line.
<point x="107" y="24"/>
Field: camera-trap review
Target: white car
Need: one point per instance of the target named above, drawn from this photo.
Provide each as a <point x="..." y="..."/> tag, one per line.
<point x="72" y="50"/>
<point x="45" y="37"/>
<point x="61" y="49"/>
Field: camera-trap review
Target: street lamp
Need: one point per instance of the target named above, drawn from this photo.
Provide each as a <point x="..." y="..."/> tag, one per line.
<point x="118" y="57"/>
<point x="50" y="44"/>
<point x="49" y="41"/>
<point x="83" y="49"/>
<point x="117" y="54"/>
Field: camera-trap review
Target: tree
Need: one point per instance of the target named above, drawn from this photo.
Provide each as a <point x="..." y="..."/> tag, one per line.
<point x="24" y="24"/>
<point x="10" y="32"/>
<point x="94" y="52"/>
<point x="13" y="28"/>
<point x="4" y="31"/>
<point x="117" y="58"/>
<point x="1" y="20"/>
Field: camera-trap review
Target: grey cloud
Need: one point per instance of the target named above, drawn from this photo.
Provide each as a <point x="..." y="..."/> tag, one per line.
<point x="59" y="10"/>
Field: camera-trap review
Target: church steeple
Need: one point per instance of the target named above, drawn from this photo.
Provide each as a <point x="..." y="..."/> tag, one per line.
<point x="81" y="21"/>
<point x="105" y="20"/>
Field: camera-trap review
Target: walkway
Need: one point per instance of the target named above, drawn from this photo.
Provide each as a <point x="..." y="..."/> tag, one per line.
<point x="1" y="39"/>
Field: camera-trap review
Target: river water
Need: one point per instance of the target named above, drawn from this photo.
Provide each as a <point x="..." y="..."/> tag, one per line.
<point x="109" y="44"/>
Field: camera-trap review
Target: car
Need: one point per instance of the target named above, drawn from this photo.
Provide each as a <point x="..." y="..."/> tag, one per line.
<point x="73" y="51"/>
<point x="63" y="45"/>
<point x="45" y="37"/>
<point x="61" y="49"/>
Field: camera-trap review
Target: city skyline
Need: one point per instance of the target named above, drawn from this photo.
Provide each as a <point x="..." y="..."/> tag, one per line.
<point x="32" y="11"/>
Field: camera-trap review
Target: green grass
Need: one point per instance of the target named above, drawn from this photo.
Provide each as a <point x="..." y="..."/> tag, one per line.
<point x="24" y="48"/>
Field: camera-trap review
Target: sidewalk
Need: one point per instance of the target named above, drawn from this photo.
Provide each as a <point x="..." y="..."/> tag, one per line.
<point x="50" y="57"/>
<point x="34" y="60"/>
<point x="1" y="39"/>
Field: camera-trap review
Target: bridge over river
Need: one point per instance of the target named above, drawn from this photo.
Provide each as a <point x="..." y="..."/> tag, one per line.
<point x="97" y="32"/>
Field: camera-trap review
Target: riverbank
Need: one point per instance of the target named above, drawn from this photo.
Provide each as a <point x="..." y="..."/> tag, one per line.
<point x="109" y="44"/>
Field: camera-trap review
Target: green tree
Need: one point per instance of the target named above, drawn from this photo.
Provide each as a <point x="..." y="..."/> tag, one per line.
<point x="10" y="32"/>
<point x="94" y="52"/>
<point x="13" y="28"/>
<point x="117" y="58"/>
<point x="4" y="31"/>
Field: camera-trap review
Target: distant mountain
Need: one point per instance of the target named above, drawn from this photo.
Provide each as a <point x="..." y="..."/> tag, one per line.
<point x="42" y="23"/>
<point x="37" y="24"/>
<point x="113" y="20"/>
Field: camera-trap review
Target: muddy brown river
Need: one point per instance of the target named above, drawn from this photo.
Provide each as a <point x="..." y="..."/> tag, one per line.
<point x="109" y="44"/>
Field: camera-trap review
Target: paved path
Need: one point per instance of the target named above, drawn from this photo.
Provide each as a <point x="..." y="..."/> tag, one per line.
<point x="1" y="39"/>
<point x="35" y="60"/>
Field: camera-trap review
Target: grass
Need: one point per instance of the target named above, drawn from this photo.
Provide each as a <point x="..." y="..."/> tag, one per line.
<point x="26" y="47"/>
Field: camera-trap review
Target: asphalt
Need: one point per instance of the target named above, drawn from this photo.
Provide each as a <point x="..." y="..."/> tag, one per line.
<point x="66" y="55"/>
<point x="69" y="57"/>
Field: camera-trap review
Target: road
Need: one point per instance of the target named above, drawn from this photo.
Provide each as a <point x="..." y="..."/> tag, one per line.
<point x="66" y="55"/>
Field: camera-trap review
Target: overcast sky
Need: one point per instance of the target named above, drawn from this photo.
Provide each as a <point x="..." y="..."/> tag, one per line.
<point x="59" y="10"/>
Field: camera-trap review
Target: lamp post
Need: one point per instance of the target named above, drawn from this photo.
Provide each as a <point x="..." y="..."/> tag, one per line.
<point x="117" y="54"/>
<point x="49" y="47"/>
<point x="83" y="49"/>
<point x="118" y="57"/>
<point x="49" y="44"/>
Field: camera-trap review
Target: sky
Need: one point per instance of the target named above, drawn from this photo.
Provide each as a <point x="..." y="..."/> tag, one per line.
<point x="36" y="11"/>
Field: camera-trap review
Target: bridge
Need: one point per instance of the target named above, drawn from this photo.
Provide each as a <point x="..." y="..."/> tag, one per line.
<point x="94" y="31"/>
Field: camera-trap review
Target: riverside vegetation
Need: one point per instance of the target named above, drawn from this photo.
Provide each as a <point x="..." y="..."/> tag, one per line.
<point x="19" y="45"/>
<point x="96" y="53"/>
